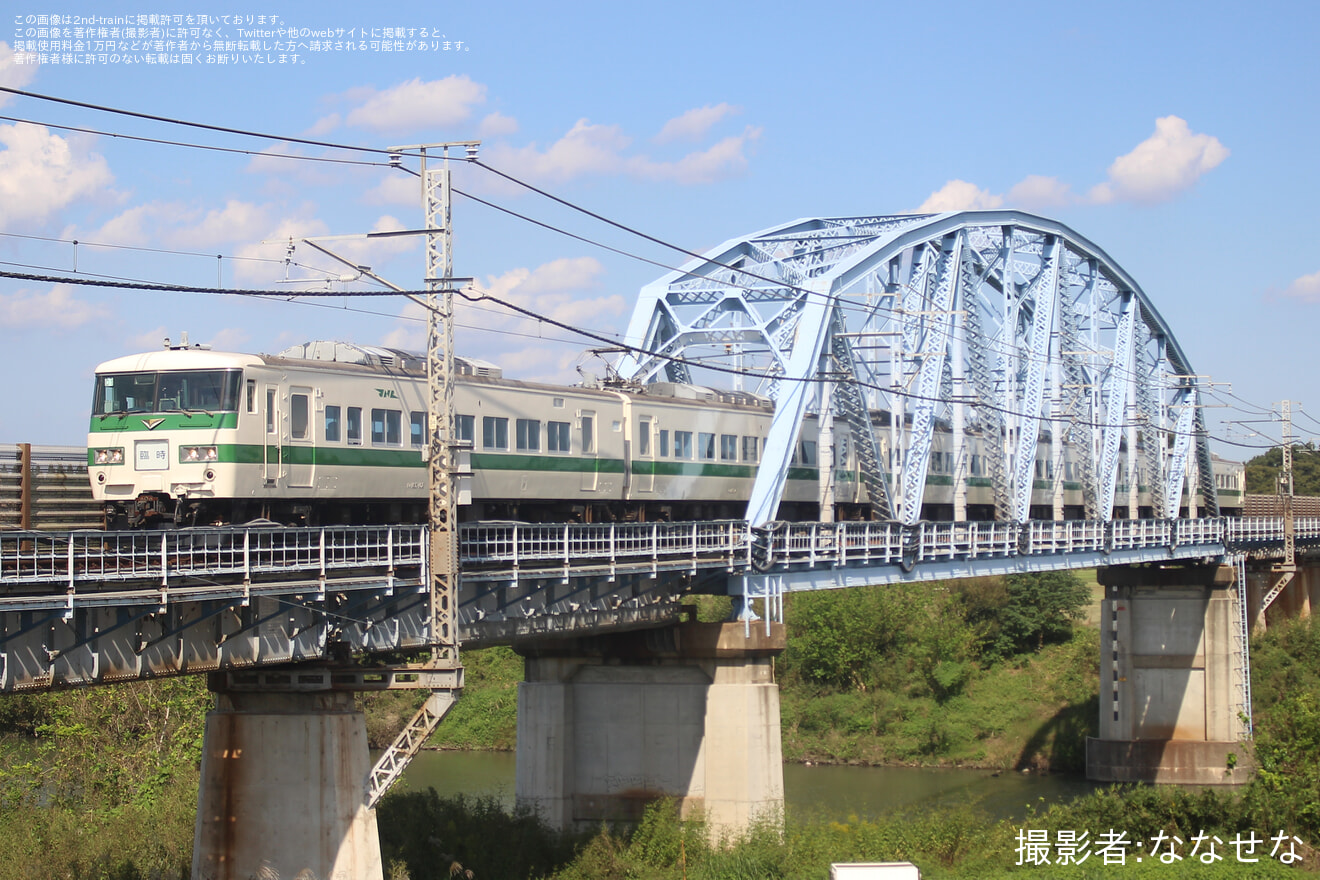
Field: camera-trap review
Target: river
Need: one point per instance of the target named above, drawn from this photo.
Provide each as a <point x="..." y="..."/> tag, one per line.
<point x="833" y="791"/>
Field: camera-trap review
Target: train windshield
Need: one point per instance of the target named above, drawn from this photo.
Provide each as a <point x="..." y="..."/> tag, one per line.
<point x="181" y="391"/>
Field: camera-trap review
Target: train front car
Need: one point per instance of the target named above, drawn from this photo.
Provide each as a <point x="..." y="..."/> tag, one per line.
<point x="162" y="425"/>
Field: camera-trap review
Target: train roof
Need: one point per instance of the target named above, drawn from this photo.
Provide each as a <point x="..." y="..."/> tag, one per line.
<point x="179" y="359"/>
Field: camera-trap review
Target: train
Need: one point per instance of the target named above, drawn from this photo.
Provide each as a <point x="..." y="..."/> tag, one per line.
<point x="336" y="433"/>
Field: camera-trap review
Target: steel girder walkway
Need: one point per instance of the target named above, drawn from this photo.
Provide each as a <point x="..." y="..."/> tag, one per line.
<point x="996" y="325"/>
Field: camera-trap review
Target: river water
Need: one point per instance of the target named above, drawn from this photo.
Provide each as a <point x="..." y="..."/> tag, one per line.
<point x="832" y="791"/>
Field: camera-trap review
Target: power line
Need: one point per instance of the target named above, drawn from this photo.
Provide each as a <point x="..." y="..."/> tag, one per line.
<point x="209" y="147"/>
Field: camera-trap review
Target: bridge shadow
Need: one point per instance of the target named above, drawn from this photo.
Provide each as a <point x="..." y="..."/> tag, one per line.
<point x="1059" y="745"/>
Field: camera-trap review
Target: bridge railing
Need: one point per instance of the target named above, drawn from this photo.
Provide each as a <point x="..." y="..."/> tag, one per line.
<point x="518" y="544"/>
<point x="70" y="557"/>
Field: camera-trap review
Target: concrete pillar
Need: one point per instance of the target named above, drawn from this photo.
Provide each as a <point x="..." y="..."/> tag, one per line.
<point x="608" y="723"/>
<point x="283" y="790"/>
<point x="1170" y="678"/>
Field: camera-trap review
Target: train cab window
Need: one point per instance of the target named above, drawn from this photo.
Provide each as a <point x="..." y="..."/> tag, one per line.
<point x="588" y="433"/>
<point x="467" y="428"/>
<point x="529" y="435"/>
<point x="417" y="429"/>
<point x="682" y="444"/>
<point x="332" y="424"/>
<point x="353" y="425"/>
<point x="644" y="437"/>
<point x="251" y="395"/>
<point x="809" y="453"/>
<point x="664" y="444"/>
<point x="750" y="451"/>
<point x="494" y="432"/>
<point x="270" y="410"/>
<point x="387" y="427"/>
<point x="706" y="446"/>
<point x="557" y="437"/>
<point x="728" y="447"/>
<point x="299" y="422"/>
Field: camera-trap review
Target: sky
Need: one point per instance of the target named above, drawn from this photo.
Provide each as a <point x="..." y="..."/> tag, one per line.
<point x="1180" y="140"/>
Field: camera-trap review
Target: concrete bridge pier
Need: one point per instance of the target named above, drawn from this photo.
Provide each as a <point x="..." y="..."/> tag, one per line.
<point x="608" y="723"/>
<point x="1171" y="677"/>
<point x="283" y="789"/>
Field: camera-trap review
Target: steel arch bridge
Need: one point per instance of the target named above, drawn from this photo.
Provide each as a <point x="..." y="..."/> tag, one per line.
<point x="1007" y="330"/>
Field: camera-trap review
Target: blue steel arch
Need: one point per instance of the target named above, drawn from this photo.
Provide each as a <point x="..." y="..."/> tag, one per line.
<point x="999" y="325"/>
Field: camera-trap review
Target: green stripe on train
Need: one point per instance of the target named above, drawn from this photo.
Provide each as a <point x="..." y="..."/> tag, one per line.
<point x="136" y="422"/>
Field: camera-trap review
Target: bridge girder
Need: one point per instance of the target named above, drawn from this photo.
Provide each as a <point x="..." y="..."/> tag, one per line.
<point x="1007" y="331"/>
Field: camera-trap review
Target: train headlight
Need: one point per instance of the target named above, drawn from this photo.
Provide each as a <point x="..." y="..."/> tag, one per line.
<point x="197" y="453"/>
<point x="108" y="456"/>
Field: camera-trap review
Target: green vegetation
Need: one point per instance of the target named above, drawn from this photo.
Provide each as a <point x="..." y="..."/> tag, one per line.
<point x="101" y="783"/>
<point x="989" y="672"/>
<point x="1263" y="471"/>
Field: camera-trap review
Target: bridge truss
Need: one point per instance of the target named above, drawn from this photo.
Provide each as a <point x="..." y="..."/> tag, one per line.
<point x="1008" y="331"/>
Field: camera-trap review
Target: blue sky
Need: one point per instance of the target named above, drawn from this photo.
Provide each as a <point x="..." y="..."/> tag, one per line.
<point x="1182" y="142"/>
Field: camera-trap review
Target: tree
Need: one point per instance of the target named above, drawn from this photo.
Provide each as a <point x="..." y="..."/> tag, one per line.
<point x="1263" y="471"/>
<point x="1042" y="607"/>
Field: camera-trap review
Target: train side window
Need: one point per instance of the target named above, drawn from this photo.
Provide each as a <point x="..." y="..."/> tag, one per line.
<point x="354" y="426"/>
<point x="978" y="467"/>
<point x="728" y="447"/>
<point x="417" y="429"/>
<point x="251" y="395"/>
<point x="529" y="435"/>
<point x="750" y="450"/>
<point x="682" y="444"/>
<point x="332" y="424"/>
<point x="557" y="437"/>
<point x="588" y="433"/>
<point x="644" y="437"/>
<point x="494" y="432"/>
<point x="298" y="416"/>
<point x="809" y="453"/>
<point x="706" y="446"/>
<point x="467" y="429"/>
<point x="270" y="410"/>
<point x="664" y="444"/>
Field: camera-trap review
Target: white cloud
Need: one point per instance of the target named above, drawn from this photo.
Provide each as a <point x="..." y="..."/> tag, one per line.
<point x="416" y="104"/>
<point x="585" y="149"/>
<point x="959" y="195"/>
<point x="1036" y="191"/>
<point x="1306" y="288"/>
<point x="694" y="124"/>
<point x="374" y="251"/>
<point x="394" y="190"/>
<point x="497" y="125"/>
<point x="1168" y="162"/>
<point x="42" y="173"/>
<point x="590" y="148"/>
<point x="236" y="222"/>
<point x="261" y="262"/>
<point x="149" y="340"/>
<point x="56" y="307"/>
<point x="718" y="162"/>
<point x="564" y="289"/>
<point x="13" y="74"/>
<point x="229" y="339"/>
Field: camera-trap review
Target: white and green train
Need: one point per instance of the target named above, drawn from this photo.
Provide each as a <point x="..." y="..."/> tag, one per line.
<point x="331" y="432"/>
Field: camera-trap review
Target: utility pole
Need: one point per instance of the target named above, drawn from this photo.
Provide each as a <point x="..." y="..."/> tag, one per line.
<point x="1285" y="571"/>
<point x="443" y="507"/>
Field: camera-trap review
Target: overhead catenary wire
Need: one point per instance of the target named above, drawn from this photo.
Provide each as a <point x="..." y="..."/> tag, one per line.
<point x="1015" y="351"/>
<point x="841" y="301"/>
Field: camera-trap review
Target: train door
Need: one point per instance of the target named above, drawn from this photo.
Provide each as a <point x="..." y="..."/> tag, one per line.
<point x="272" y="458"/>
<point x="299" y="443"/>
<point x="644" y="455"/>
<point x="590" y="477"/>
